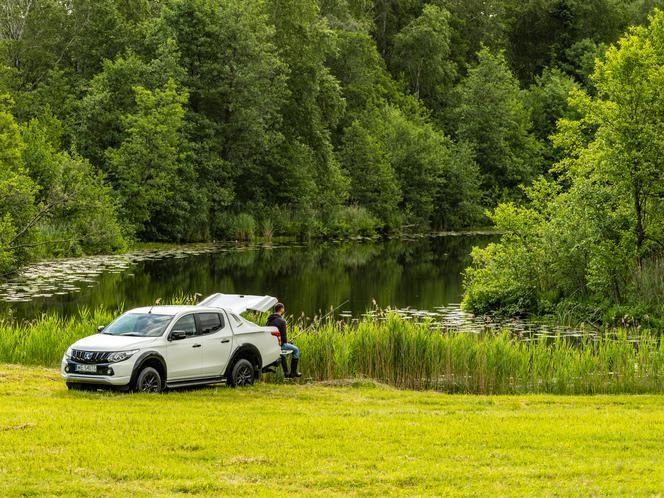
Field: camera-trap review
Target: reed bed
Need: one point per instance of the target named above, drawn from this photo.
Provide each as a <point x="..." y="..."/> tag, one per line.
<point x="410" y="354"/>
<point x="44" y="340"/>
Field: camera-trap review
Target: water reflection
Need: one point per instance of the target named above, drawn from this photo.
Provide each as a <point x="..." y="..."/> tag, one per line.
<point x="423" y="274"/>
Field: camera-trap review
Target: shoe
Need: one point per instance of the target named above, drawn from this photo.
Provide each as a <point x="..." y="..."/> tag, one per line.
<point x="284" y="365"/>
<point x="293" y="368"/>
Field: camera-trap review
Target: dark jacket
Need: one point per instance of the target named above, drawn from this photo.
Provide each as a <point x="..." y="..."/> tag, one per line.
<point x="275" y="320"/>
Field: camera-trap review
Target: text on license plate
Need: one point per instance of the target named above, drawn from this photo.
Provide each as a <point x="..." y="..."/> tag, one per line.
<point x="86" y="368"/>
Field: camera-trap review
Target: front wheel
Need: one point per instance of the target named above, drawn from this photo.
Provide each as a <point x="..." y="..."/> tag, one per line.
<point x="242" y="374"/>
<point x="148" y="381"/>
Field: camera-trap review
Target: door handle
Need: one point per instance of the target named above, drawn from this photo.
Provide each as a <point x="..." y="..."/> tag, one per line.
<point x="223" y="341"/>
<point x="196" y="346"/>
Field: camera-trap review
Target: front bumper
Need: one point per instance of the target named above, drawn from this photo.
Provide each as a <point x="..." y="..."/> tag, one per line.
<point x="121" y="372"/>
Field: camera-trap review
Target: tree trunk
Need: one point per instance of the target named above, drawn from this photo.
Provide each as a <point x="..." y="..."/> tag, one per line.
<point x="639" y="230"/>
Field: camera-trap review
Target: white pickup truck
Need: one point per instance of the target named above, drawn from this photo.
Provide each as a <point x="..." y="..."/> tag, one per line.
<point x="157" y="347"/>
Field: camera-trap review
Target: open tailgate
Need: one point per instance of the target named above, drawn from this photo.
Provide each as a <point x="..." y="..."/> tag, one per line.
<point x="239" y="303"/>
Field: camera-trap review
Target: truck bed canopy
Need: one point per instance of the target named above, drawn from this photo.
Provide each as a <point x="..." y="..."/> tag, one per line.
<point x="239" y="303"/>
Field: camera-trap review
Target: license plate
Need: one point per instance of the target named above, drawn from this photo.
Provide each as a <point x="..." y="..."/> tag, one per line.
<point x="86" y="368"/>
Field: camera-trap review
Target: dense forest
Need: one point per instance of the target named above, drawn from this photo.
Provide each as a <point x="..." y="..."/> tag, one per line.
<point x="198" y="120"/>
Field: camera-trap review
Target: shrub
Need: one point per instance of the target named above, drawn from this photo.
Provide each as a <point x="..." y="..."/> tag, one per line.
<point x="353" y="221"/>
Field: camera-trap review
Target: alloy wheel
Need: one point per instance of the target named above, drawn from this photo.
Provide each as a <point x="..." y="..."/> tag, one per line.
<point x="150" y="383"/>
<point x="244" y="376"/>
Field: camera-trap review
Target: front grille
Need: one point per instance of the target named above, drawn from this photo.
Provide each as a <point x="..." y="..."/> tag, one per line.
<point x="90" y="356"/>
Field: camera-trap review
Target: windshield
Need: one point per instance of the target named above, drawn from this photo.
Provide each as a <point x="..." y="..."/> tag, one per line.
<point x="139" y="325"/>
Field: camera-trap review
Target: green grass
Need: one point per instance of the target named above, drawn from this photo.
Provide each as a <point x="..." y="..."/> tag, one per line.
<point x="409" y="354"/>
<point x="304" y="440"/>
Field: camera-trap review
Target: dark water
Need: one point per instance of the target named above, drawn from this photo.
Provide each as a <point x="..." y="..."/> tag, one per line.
<point x="423" y="273"/>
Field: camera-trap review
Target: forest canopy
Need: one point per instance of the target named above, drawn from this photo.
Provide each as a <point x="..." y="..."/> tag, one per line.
<point x="198" y="120"/>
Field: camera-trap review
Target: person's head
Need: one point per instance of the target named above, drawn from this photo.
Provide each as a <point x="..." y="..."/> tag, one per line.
<point x="279" y="309"/>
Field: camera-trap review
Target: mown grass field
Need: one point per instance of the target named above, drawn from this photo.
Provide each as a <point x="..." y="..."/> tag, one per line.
<point x="303" y="440"/>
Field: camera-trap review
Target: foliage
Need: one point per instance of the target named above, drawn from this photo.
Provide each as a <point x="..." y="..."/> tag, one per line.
<point x="145" y="165"/>
<point x="422" y="56"/>
<point x="588" y="234"/>
<point x="373" y="180"/>
<point x="186" y="113"/>
<point x="353" y="221"/>
<point x="491" y="116"/>
<point x="42" y="188"/>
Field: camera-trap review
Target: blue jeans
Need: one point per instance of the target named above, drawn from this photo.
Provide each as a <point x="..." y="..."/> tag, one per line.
<point x="291" y="347"/>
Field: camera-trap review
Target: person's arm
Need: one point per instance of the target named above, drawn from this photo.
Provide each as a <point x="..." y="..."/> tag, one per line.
<point x="282" y="329"/>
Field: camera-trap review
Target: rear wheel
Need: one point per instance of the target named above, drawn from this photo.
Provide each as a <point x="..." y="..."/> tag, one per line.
<point x="242" y="374"/>
<point x="148" y="381"/>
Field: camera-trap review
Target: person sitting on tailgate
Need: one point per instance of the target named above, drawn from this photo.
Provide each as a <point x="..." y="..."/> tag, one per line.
<point x="276" y="319"/>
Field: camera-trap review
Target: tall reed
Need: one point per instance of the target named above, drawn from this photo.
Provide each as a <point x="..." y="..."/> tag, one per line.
<point x="410" y="355"/>
<point x="44" y="340"/>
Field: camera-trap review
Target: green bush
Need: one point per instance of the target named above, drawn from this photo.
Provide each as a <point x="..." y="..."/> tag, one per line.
<point x="353" y="221"/>
<point x="240" y="227"/>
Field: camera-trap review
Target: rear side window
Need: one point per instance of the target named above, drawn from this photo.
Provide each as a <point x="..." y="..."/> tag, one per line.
<point x="209" y="322"/>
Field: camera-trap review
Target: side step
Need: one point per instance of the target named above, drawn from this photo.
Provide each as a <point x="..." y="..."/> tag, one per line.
<point x="195" y="382"/>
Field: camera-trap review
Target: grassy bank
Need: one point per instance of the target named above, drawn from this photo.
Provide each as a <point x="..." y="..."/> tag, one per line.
<point x="323" y="441"/>
<point x="409" y="354"/>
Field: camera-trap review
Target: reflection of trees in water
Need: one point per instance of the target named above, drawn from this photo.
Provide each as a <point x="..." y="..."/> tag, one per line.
<point x="422" y="273"/>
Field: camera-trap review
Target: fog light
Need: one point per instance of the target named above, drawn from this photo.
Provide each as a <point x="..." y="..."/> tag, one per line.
<point x="109" y="371"/>
<point x="67" y="369"/>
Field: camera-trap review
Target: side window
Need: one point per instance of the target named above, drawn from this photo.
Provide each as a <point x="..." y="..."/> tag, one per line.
<point x="186" y="323"/>
<point x="209" y="322"/>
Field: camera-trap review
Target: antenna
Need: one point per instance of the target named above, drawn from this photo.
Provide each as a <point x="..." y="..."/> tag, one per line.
<point x="157" y="301"/>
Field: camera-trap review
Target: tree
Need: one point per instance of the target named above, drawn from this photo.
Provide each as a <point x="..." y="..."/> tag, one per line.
<point x="627" y="117"/>
<point x="547" y="101"/>
<point x="373" y="182"/>
<point x="491" y="117"/>
<point x="34" y="37"/>
<point x="476" y="24"/>
<point x="594" y="232"/>
<point x="110" y="96"/>
<point x="77" y="212"/>
<point x="237" y="86"/>
<point x="145" y="165"/>
<point x="422" y="56"/>
<point x="542" y="31"/>
<point x="316" y="106"/>
<point x="17" y="209"/>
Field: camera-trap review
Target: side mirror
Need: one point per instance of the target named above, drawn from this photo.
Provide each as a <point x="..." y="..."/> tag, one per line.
<point x="100" y="328"/>
<point x="176" y="335"/>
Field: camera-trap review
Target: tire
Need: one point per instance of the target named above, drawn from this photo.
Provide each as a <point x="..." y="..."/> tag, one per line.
<point x="148" y="381"/>
<point x="242" y="374"/>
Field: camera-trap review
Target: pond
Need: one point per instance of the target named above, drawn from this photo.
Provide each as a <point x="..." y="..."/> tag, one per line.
<point x="420" y="275"/>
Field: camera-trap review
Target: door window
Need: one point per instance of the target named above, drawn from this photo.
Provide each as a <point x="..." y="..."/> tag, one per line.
<point x="187" y="324"/>
<point x="209" y="323"/>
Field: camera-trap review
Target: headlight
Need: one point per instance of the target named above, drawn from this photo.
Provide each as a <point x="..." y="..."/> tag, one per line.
<point x="121" y="355"/>
<point x="68" y="353"/>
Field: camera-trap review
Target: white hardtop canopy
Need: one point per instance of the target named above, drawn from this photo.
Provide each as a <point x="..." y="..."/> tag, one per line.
<point x="239" y="303"/>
